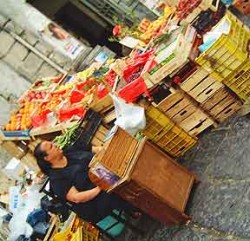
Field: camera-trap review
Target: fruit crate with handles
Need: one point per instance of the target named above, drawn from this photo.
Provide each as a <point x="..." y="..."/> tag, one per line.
<point x="222" y="104"/>
<point x="156" y="122"/>
<point x="229" y="51"/>
<point x="239" y="81"/>
<point x="185" y="112"/>
<point x="200" y="85"/>
<point x="166" y="134"/>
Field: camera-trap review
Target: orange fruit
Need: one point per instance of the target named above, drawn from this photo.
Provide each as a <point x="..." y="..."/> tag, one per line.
<point x="21" y="111"/>
<point x="24" y="127"/>
<point x="12" y="127"/>
<point x="8" y="127"/>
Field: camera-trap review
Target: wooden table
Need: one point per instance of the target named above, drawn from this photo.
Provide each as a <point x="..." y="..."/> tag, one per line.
<point x="150" y="180"/>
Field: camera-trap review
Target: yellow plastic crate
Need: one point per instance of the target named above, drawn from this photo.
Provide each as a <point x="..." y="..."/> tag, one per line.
<point x="175" y="141"/>
<point x="156" y="122"/>
<point x="164" y="133"/>
<point x="239" y="81"/>
<point x="228" y="52"/>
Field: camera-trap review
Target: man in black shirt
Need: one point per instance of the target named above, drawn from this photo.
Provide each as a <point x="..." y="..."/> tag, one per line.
<point x="68" y="174"/>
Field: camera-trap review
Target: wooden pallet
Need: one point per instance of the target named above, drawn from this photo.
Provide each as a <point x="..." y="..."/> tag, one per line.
<point x="185" y="112"/>
<point x="222" y="104"/>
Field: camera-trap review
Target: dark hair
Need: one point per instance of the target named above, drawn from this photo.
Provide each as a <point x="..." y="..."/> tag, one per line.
<point x="39" y="154"/>
<point x="51" y="26"/>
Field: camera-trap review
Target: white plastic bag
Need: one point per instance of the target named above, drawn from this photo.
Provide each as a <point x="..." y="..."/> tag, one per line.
<point x="129" y="117"/>
<point x="18" y="224"/>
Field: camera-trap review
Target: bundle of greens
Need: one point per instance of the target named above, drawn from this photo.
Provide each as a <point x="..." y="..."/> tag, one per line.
<point x="66" y="138"/>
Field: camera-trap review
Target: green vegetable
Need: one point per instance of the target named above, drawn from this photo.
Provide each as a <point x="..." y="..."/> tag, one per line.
<point x="64" y="139"/>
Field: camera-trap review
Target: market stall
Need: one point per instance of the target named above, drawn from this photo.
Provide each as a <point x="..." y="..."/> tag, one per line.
<point x="186" y="72"/>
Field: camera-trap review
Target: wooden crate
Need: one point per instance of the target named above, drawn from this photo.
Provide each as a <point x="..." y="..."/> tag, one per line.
<point x="157" y="185"/>
<point x="13" y="148"/>
<point x="239" y="81"/>
<point x="221" y="105"/>
<point x="169" y="62"/>
<point x="200" y="85"/>
<point x="102" y="104"/>
<point x="184" y="111"/>
<point x="109" y="116"/>
<point x="99" y="136"/>
<point x="197" y="123"/>
<point x="112" y="159"/>
<point x="153" y="181"/>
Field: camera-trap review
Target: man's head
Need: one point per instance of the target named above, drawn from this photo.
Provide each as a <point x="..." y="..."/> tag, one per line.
<point x="47" y="154"/>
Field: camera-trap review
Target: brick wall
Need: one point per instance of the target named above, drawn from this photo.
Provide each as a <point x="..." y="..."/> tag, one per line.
<point x="27" y="54"/>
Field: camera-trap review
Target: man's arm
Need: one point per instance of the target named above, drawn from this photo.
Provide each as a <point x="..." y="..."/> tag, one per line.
<point x="75" y="196"/>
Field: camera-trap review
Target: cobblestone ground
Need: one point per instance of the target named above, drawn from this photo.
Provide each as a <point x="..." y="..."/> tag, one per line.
<point x="220" y="203"/>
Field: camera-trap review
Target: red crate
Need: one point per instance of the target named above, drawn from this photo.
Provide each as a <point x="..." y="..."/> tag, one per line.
<point x="133" y="90"/>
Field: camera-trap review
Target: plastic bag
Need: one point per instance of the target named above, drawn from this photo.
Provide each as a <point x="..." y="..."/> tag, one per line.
<point x="129" y="117"/>
<point x="18" y="224"/>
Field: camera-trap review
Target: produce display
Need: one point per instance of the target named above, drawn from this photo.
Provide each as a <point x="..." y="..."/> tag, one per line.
<point x="40" y="89"/>
<point x="185" y="7"/>
<point x="168" y="49"/>
<point x="21" y="120"/>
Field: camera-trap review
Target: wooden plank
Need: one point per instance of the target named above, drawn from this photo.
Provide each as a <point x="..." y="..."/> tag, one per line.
<point x="184" y="113"/>
<point x="217" y="97"/>
<point x="192" y="121"/>
<point x="221" y="106"/>
<point x="170" y="101"/>
<point x="203" y="85"/>
<point x="204" y="125"/>
<point x="207" y="93"/>
<point x="229" y="111"/>
<point x="96" y="142"/>
<point x="103" y="129"/>
<point x="50" y="129"/>
<point x="109" y="117"/>
<point x="99" y="135"/>
<point x="179" y="106"/>
<point x="194" y="80"/>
